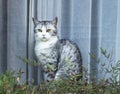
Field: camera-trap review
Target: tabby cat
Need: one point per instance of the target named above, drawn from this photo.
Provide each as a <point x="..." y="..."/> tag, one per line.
<point x="59" y="58"/>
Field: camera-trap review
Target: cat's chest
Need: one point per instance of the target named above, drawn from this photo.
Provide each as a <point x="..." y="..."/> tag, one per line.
<point x="48" y="55"/>
<point x="39" y="51"/>
<point x="42" y="50"/>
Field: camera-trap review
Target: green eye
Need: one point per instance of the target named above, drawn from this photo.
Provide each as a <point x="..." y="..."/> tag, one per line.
<point x="48" y="30"/>
<point x="39" y="30"/>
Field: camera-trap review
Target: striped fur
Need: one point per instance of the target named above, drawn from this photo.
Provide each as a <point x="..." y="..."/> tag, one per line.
<point x="58" y="58"/>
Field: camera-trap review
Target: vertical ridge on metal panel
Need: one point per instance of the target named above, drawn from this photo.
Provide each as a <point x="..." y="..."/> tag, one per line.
<point x="95" y="26"/>
<point x="16" y="35"/>
<point x="118" y="35"/>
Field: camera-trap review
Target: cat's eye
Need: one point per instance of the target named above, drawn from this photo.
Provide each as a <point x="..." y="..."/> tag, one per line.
<point x="48" y="30"/>
<point x="39" y="30"/>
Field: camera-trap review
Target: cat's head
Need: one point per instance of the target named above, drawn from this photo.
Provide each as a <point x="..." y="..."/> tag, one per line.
<point x="45" y="30"/>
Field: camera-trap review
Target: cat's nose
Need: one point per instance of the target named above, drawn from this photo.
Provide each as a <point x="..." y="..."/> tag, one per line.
<point x="43" y="35"/>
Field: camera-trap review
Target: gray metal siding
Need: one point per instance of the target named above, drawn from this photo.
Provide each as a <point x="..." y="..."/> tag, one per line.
<point x="89" y="23"/>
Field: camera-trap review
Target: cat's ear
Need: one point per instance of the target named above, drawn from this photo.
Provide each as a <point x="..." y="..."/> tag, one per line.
<point x="35" y="21"/>
<point x="55" y="20"/>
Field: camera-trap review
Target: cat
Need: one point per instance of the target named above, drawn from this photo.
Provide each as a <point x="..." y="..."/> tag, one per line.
<point x="59" y="58"/>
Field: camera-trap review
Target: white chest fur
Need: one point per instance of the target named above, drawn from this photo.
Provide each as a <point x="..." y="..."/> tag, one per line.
<point x="43" y="47"/>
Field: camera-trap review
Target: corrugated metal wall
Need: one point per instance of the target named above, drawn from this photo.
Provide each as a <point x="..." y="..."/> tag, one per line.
<point x="90" y="23"/>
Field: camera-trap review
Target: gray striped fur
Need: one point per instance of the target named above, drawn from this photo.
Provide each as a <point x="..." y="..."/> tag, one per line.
<point x="60" y="58"/>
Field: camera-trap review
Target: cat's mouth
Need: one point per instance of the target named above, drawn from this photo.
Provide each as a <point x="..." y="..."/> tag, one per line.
<point x="44" y="39"/>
